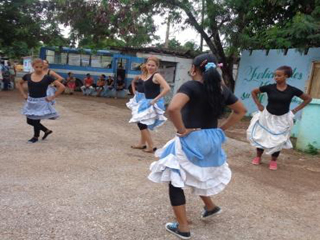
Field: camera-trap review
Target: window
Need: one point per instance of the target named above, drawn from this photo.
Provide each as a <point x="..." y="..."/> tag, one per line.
<point x="135" y="66"/>
<point x="74" y="59"/>
<point x="56" y="57"/>
<point x="85" y="60"/>
<point x="106" y="61"/>
<point x="50" y="56"/>
<point x="101" y="61"/>
<point x="96" y="61"/>
<point x="60" y="58"/>
<point x="314" y="84"/>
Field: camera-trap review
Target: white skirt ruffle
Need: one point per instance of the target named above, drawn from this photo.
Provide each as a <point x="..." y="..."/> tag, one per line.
<point x="196" y="161"/>
<point x="39" y="108"/>
<point x="150" y="115"/>
<point x="270" y="132"/>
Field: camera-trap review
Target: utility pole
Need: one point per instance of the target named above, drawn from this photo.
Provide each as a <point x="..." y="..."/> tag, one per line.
<point x="202" y="20"/>
<point x="166" y="43"/>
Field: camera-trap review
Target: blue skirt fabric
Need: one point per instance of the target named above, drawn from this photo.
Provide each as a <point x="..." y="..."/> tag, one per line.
<point x="39" y="108"/>
<point x="196" y="161"/>
<point x="150" y="115"/>
<point x="51" y="90"/>
<point x="134" y="102"/>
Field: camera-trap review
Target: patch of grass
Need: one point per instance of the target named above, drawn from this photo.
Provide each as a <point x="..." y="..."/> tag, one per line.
<point x="311" y="149"/>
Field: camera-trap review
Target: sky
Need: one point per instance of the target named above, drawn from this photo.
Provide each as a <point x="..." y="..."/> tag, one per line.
<point x="183" y="36"/>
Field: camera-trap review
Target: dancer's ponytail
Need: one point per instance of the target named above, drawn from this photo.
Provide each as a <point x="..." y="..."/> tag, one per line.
<point x="207" y="64"/>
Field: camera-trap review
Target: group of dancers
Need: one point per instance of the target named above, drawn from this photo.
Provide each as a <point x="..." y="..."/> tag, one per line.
<point x="194" y="158"/>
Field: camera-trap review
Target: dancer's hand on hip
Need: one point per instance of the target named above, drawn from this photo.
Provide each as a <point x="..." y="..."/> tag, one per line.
<point x="261" y="107"/>
<point x="50" y="98"/>
<point x="187" y="132"/>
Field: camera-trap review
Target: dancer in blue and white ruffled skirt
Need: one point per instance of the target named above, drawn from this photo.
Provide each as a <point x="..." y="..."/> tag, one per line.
<point x="195" y="158"/>
<point x="38" y="105"/>
<point x="138" y="89"/>
<point x="51" y="90"/>
<point x="148" y="113"/>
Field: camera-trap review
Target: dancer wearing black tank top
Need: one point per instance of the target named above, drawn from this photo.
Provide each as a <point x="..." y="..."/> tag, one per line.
<point x="150" y="113"/>
<point x="50" y="72"/>
<point x="133" y="104"/>
<point x="51" y="88"/>
<point x="195" y="158"/>
<point x="270" y="128"/>
<point x="152" y="90"/>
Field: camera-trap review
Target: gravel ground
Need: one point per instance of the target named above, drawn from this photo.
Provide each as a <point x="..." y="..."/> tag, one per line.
<point x="84" y="182"/>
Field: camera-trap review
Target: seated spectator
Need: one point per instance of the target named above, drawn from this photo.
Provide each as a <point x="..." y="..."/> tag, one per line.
<point x="5" y="76"/>
<point x="100" y="84"/>
<point x="70" y="83"/>
<point x="87" y="87"/>
<point x="120" y="88"/>
<point x="110" y="83"/>
<point x="120" y="85"/>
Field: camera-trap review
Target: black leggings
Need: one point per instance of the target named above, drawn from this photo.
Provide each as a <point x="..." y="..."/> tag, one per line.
<point x="37" y="126"/>
<point x="176" y="195"/>
<point x="142" y="126"/>
<point x="276" y="154"/>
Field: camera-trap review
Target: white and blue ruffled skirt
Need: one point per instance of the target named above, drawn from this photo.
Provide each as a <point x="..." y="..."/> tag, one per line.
<point x="150" y="115"/>
<point x="270" y="132"/>
<point x="39" y="108"/>
<point x="51" y="90"/>
<point x="134" y="102"/>
<point x="196" y="161"/>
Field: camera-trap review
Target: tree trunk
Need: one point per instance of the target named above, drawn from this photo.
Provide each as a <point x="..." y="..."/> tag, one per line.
<point x="227" y="74"/>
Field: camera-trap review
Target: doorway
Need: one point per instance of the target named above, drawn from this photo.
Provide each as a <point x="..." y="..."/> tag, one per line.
<point x="314" y="84"/>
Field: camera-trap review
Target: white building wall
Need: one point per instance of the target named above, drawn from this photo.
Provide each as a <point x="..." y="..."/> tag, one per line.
<point x="183" y="65"/>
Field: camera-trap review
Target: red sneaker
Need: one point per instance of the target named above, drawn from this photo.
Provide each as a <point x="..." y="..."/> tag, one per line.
<point x="256" y="161"/>
<point x="273" y="165"/>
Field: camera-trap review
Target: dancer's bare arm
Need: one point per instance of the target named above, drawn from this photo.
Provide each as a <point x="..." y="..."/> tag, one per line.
<point x="60" y="89"/>
<point x="306" y="100"/>
<point x="254" y="95"/>
<point x="20" y="87"/>
<point x="238" y="112"/>
<point x="158" y="79"/>
<point x="174" y="111"/>
<point x="56" y="76"/>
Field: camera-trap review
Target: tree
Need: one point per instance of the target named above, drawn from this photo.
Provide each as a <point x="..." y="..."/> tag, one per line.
<point x="232" y="25"/>
<point x="294" y="24"/>
<point x="24" y="25"/>
<point x="116" y="21"/>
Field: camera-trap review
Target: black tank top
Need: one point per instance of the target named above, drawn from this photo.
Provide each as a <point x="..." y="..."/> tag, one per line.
<point x="151" y="89"/>
<point x="139" y="85"/>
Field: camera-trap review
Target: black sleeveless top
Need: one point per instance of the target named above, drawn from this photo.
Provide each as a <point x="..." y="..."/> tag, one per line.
<point x="151" y="89"/>
<point x="139" y="85"/>
<point x="38" y="89"/>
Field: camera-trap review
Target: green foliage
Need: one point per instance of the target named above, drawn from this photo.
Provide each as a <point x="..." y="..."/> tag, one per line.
<point x="25" y="24"/>
<point x="107" y="23"/>
<point x="312" y="149"/>
<point x="175" y="45"/>
<point x="232" y="25"/>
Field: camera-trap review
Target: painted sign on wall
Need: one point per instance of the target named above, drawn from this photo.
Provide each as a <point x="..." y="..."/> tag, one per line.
<point x="257" y="69"/>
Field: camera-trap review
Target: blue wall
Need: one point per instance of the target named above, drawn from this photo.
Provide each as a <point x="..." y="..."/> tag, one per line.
<point x="256" y="69"/>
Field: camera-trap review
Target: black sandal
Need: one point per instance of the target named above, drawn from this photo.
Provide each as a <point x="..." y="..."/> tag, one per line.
<point x="139" y="147"/>
<point x="150" y="151"/>
<point x="46" y="134"/>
